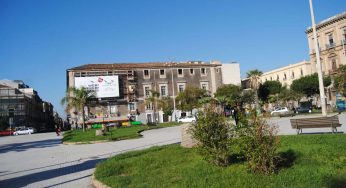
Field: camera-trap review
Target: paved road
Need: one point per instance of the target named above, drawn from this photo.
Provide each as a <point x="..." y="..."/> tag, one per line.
<point x="40" y="160"/>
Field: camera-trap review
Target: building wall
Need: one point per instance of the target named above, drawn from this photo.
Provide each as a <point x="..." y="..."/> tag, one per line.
<point x="331" y="35"/>
<point x="132" y="91"/>
<point x="231" y="73"/>
<point x="287" y="74"/>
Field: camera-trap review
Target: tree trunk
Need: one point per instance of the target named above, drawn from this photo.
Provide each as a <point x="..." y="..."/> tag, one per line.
<point x="83" y="119"/>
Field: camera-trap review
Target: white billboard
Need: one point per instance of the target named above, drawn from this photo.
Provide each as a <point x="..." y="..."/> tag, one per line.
<point x="104" y="86"/>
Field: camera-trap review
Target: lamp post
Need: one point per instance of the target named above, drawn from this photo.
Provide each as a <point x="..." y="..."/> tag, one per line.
<point x="173" y="93"/>
<point x="318" y="62"/>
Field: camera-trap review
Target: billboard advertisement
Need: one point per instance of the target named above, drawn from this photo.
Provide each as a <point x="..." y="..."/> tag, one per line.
<point x="104" y="86"/>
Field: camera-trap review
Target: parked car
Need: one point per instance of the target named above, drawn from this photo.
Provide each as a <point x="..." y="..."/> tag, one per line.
<point x="341" y="105"/>
<point x="23" y="131"/>
<point x="304" y="109"/>
<point x="34" y="130"/>
<point x="279" y="110"/>
<point x="282" y="112"/>
<point x="187" y="119"/>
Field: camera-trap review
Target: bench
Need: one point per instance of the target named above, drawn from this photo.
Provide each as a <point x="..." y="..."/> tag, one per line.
<point x="318" y="122"/>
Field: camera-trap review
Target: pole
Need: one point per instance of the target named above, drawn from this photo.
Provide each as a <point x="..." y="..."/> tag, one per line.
<point x="173" y="94"/>
<point x="318" y="61"/>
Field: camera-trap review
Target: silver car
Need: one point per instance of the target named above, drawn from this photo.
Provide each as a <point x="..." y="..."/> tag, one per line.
<point x="23" y="131"/>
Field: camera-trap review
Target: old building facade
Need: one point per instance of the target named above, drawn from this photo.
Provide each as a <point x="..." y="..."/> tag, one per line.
<point x="286" y="75"/>
<point x="136" y="81"/>
<point x="331" y="36"/>
<point x="25" y="105"/>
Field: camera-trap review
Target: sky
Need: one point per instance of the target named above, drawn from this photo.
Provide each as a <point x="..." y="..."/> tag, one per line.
<point x="40" y="39"/>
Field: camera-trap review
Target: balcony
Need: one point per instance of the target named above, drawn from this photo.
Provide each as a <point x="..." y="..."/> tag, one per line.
<point x="333" y="71"/>
<point x="331" y="45"/>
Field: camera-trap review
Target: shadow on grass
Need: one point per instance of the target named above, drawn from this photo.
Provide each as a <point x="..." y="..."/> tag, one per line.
<point x="338" y="181"/>
<point x="286" y="159"/>
<point x="236" y="158"/>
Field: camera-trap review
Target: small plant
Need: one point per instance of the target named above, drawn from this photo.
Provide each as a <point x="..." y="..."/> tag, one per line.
<point x="213" y="136"/>
<point x="260" y="145"/>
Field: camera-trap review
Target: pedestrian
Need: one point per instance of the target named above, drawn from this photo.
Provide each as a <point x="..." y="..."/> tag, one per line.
<point x="57" y="131"/>
<point x="236" y="115"/>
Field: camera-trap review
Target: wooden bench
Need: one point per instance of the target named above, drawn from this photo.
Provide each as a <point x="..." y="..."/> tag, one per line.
<point x="318" y="122"/>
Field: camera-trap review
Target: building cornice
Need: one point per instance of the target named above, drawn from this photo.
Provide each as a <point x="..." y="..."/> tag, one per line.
<point x="327" y="22"/>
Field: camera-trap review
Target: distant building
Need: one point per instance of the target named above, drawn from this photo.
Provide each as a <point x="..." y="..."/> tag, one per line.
<point x="331" y="35"/>
<point x="122" y="89"/>
<point x="27" y="106"/>
<point x="286" y="75"/>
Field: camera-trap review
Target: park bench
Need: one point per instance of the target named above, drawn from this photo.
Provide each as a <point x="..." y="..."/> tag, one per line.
<point x="318" y="122"/>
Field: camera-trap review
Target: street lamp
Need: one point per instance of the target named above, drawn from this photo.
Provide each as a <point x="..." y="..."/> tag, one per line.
<point x="318" y="62"/>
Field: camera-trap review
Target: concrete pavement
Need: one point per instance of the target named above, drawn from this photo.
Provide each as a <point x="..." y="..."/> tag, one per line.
<point x="40" y="160"/>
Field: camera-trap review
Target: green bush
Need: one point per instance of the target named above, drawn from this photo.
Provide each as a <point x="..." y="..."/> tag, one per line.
<point x="212" y="133"/>
<point x="260" y="145"/>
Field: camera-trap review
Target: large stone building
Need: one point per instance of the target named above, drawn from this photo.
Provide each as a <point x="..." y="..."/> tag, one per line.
<point x="331" y="36"/>
<point x="287" y="74"/>
<point x="25" y="105"/>
<point x="129" y="85"/>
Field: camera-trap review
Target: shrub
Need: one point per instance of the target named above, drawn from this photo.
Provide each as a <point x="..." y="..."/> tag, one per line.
<point x="260" y="145"/>
<point x="212" y="133"/>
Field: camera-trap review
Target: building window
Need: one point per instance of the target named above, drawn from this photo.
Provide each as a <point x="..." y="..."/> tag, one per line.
<point x="271" y="78"/>
<point x="330" y="39"/>
<point x="292" y="75"/>
<point x="344" y="36"/>
<point x="162" y="73"/>
<point x="132" y="106"/>
<point x="277" y="78"/>
<point x="334" y="67"/>
<point x="285" y="77"/>
<point x="147" y="91"/>
<point x="149" y="106"/>
<point x="301" y="72"/>
<point x="163" y="90"/>
<point x="146" y="74"/>
<point x="191" y="71"/>
<point x="217" y="70"/>
<point x="181" y="87"/>
<point x="203" y="72"/>
<point x="180" y="73"/>
<point x="205" y="85"/>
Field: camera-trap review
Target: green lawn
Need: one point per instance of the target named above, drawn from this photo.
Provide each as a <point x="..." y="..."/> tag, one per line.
<point x="114" y="133"/>
<point x="316" y="161"/>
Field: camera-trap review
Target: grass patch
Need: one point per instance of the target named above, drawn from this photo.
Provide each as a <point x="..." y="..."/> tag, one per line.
<point x="311" y="161"/>
<point x="113" y="134"/>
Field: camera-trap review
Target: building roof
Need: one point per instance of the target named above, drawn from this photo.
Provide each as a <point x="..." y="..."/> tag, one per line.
<point x="286" y="67"/>
<point x="122" y="66"/>
<point x="328" y="21"/>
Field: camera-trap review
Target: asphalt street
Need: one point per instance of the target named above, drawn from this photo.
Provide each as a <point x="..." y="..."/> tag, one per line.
<point x="40" y="160"/>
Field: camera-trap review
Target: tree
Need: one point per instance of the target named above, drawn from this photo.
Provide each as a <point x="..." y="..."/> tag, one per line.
<point x="289" y="95"/>
<point x="153" y="100"/>
<point x="269" y="88"/>
<point x="254" y="76"/>
<point x="308" y="85"/>
<point x="340" y="80"/>
<point x="78" y="98"/>
<point x="228" y="95"/>
<point x="189" y="98"/>
<point x="166" y="105"/>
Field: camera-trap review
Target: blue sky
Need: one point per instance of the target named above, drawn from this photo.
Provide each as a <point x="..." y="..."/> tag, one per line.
<point x="39" y="40"/>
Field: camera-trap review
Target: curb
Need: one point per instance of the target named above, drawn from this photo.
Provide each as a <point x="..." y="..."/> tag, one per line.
<point x="96" y="183"/>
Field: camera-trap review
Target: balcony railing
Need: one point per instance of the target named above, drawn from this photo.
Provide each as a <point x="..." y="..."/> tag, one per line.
<point x="331" y="45"/>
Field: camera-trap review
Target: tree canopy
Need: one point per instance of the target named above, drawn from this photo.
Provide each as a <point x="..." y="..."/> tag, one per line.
<point x="340" y="80"/>
<point x="189" y="98"/>
<point x="308" y="85"/>
<point x="77" y="98"/>
<point x="269" y="88"/>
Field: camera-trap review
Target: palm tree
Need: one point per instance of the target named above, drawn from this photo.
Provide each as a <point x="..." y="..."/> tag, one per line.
<point x="254" y="76"/>
<point x="152" y="100"/>
<point x="77" y="98"/>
